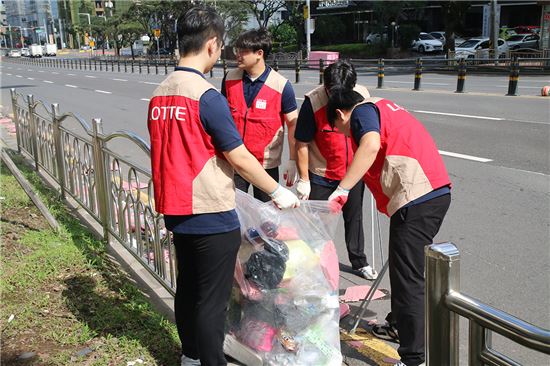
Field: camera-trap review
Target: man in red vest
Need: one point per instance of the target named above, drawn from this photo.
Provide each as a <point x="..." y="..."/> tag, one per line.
<point x="323" y="156"/>
<point x="261" y="102"/>
<point x="194" y="148"/>
<point x="399" y="162"/>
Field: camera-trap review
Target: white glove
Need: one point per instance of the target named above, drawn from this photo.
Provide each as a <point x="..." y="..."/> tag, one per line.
<point x="303" y="188"/>
<point x="283" y="198"/>
<point x="290" y="174"/>
<point x="338" y="199"/>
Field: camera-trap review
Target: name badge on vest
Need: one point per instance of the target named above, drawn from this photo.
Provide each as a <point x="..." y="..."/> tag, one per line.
<point x="261" y="104"/>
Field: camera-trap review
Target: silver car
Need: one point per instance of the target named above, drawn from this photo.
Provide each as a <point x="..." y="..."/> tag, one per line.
<point x="518" y="41"/>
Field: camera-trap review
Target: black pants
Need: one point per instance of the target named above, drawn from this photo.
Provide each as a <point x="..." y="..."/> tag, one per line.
<point x="353" y="220"/>
<point x="243" y="185"/>
<point x="411" y="229"/>
<point x="206" y="264"/>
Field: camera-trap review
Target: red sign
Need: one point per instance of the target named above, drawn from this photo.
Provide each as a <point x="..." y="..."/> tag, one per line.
<point x="546" y="16"/>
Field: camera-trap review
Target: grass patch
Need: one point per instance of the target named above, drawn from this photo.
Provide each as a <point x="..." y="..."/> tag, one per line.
<point x="71" y="304"/>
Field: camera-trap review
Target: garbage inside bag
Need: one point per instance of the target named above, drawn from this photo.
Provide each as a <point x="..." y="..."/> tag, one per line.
<point x="284" y="307"/>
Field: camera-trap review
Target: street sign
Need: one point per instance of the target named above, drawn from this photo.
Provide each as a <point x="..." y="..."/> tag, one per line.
<point x="38" y="31"/>
<point x="156" y="32"/>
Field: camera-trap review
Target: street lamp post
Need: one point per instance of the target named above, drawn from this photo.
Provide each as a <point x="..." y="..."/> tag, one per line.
<point x="392" y="34"/>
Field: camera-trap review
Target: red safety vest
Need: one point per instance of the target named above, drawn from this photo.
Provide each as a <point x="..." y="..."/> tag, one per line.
<point x="330" y="153"/>
<point x="408" y="164"/>
<point x="262" y="124"/>
<point x="188" y="176"/>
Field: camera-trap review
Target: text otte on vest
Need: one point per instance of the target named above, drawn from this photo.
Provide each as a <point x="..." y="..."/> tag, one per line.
<point x="169" y="112"/>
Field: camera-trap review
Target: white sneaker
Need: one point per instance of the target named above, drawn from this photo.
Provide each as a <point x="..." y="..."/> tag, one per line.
<point x="402" y="364"/>
<point x="368" y="273"/>
<point x="187" y="361"/>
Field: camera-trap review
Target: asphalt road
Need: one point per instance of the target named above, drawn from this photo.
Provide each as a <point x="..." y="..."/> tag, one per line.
<point x="497" y="151"/>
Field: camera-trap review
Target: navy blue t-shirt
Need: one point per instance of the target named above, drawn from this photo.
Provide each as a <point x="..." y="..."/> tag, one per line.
<point x="365" y="118"/>
<point x="218" y="123"/>
<point x="251" y="88"/>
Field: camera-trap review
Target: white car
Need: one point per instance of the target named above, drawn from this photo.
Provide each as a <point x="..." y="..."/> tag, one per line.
<point x="440" y="36"/>
<point x="25" y="52"/>
<point x="479" y="48"/>
<point x="426" y="43"/>
<point x="14" y="53"/>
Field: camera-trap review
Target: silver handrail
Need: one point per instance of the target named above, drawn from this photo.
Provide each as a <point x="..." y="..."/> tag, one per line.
<point x="444" y="304"/>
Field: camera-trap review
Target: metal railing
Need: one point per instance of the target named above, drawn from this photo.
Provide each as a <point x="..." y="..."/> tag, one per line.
<point x="444" y="304"/>
<point x="87" y="167"/>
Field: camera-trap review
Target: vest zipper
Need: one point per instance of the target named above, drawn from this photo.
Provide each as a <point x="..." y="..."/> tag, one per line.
<point x="244" y="124"/>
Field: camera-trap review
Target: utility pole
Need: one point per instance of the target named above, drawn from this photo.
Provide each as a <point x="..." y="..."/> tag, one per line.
<point x="11" y="39"/>
<point x="307" y="16"/>
<point x="494" y="29"/>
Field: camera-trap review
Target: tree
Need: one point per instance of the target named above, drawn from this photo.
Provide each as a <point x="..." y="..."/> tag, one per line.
<point x="263" y="10"/>
<point x="234" y="15"/>
<point x="454" y="13"/>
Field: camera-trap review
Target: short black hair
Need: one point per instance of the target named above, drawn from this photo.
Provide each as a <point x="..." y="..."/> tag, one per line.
<point x="341" y="73"/>
<point x="255" y="40"/>
<point x="341" y="98"/>
<point x="196" y="26"/>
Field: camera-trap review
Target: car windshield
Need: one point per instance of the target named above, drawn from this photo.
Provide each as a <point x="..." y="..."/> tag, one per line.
<point x="425" y="37"/>
<point x="518" y="37"/>
<point x="468" y="44"/>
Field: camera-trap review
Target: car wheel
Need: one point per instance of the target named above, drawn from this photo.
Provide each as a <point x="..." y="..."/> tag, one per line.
<point x="421" y="49"/>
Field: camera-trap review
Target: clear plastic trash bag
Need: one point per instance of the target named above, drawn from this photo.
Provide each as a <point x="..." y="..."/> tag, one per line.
<point x="284" y="307"/>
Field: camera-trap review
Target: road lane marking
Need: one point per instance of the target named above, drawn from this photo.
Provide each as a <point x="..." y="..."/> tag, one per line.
<point x="30" y="78"/>
<point x="103" y="91"/>
<point x="29" y="70"/>
<point x="150" y="82"/>
<point x="464" y="156"/>
<point x="460" y="115"/>
<point x="55" y="73"/>
<point x="90" y="76"/>
<point x="40" y="70"/>
<point x="8" y="74"/>
<point x="47" y="81"/>
<point x="18" y="76"/>
<point x="299" y="98"/>
<point x="70" y="74"/>
<point x="71" y="86"/>
<point x="120" y="79"/>
<point x="145" y="99"/>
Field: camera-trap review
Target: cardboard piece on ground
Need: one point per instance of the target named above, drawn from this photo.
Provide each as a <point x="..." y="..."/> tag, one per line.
<point x="358" y="293"/>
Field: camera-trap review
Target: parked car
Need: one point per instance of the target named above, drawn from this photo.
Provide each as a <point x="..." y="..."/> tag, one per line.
<point x="523" y="41"/>
<point x="25" y="52"/>
<point x="14" y="53"/>
<point x="373" y="38"/>
<point x="479" y="48"/>
<point x="506" y="33"/>
<point x="440" y="36"/>
<point x="426" y="43"/>
<point x="520" y="29"/>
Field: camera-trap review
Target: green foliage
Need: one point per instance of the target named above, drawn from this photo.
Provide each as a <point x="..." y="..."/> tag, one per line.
<point x="284" y="34"/>
<point x="408" y="33"/>
<point x="329" y="29"/>
<point x="234" y="15"/>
